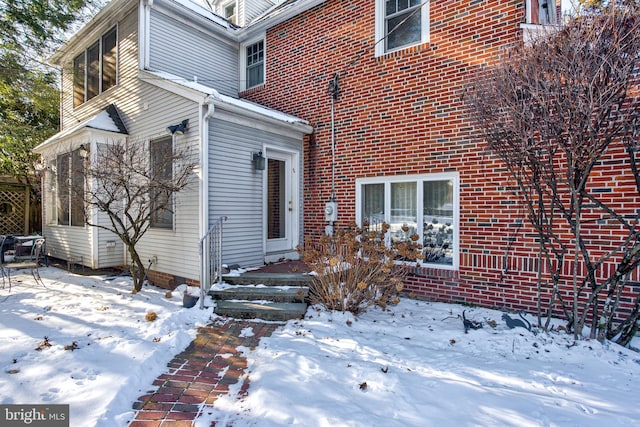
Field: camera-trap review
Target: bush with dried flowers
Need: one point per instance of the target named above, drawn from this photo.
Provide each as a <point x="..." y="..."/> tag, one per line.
<point x="356" y="268"/>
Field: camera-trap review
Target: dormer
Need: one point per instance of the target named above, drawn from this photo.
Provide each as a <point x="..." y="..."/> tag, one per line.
<point x="241" y="12"/>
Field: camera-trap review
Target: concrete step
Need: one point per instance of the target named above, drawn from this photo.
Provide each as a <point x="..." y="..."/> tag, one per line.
<point x="269" y="279"/>
<point x="269" y="293"/>
<point x="276" y="311"/>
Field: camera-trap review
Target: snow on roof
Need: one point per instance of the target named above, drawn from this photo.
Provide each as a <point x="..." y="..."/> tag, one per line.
<point x="221" y="99"/>
<point x="203" y="11"/>
<point x="106" y="120"/>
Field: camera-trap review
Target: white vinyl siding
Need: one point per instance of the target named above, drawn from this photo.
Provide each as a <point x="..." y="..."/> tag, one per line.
<point x="236" y="187"/>
<point x="187" y="52"/>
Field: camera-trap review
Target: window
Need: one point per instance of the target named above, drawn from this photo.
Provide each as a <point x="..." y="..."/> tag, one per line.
<point x="549" y="12"/>
<point x="95" y="69"/>
<point x="255" y="64"/>
<point x="401" y="23"/>
<point x="426" y="205"/>
<point x="230" y="12"/>
<point x="70" y="189"/>
<point x="161" y="153"/>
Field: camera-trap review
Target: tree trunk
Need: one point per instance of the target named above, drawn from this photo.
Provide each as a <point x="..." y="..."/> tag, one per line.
<point x="137" y="269"/>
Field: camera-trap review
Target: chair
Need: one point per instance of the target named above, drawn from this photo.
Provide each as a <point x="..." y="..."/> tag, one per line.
<point x="31" y="261"/>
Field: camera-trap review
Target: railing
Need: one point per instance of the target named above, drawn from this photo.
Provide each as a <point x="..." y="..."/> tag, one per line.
<point x="211" y="258"/>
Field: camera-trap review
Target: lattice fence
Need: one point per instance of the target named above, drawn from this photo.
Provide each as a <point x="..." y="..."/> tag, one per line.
<point x="13" y="206"/>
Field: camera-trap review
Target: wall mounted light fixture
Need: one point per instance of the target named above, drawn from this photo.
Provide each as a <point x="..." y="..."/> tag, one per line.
<point x="83" y="151"/>
<point x="180" y="128"/>
<point x="259" y="161"/>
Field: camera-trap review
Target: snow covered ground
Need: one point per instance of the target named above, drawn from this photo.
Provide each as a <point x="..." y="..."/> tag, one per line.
<point x="410" y="366"/>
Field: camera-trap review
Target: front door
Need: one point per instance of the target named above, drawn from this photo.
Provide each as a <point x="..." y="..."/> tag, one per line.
<point x="281" y="200"/>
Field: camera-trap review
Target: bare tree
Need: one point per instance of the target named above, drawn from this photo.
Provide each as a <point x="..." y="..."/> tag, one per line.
<point x="133" y="189"/>
<point x="563" y="114"/>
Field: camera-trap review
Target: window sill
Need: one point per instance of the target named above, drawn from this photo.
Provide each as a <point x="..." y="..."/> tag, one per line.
<point x="252" y="89"/>
<point x="411" y="49"/>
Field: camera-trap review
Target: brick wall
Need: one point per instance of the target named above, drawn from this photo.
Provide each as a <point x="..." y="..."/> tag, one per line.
<point x="402" y="114"/>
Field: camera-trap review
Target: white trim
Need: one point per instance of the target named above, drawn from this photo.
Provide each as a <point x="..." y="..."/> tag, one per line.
<point x="380" y="33"/>
<point x="292" y="232"/>
<point x="418" y="179"/>
<point x="243" y="61"/>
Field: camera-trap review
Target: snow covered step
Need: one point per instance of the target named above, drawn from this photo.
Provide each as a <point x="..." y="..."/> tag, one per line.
<point x="269" y="279"/>
<point x="277" y="311"/>
<point x="269" y="293"/>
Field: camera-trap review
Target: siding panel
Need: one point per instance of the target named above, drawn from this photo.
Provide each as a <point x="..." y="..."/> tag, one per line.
<point x="236" y="188"/>
<point x="189" y="53"/>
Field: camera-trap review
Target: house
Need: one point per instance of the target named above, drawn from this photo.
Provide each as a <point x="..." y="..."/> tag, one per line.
<point x="134" y="70"/>
<point x="356" y="105"/>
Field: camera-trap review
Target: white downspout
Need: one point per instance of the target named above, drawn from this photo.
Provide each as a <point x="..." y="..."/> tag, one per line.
<point x="207" y="109"/>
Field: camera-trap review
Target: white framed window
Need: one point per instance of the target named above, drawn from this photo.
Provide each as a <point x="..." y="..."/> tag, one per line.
<point x="229" y="12"/>
<point x="70" y="186"/>
<point x="95" y="69"/>
<point x="426" y="205"/>
<point x="252" y="63"/>
<point x="401" y="24"/>
<point x="161" y="160"/>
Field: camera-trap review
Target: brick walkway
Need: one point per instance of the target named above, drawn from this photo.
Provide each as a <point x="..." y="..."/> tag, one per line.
<point x="201" y="373"/>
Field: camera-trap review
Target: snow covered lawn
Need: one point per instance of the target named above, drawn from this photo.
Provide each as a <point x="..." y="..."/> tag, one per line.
<point x="117" y="355"/>
<point x="410" y="366"/>
<point x="415" y="366"/>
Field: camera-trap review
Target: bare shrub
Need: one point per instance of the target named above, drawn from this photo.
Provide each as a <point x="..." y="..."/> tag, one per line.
<point x="356" y="268"/>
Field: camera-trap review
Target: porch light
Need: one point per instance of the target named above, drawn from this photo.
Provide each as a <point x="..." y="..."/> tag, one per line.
<point x="259" y="162"/>
<point x="180" y="128"/>
<point x="83" y="152"/>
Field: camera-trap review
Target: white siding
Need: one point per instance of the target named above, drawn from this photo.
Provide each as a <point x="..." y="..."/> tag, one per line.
<point x="252" y="8"/>
<point x="146" y="112"/>
<point x="189" y="53"/>
<point x="236" y="188"/>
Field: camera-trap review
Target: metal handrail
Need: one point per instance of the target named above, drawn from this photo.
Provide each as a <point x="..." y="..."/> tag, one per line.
<point x="211" y="257"/>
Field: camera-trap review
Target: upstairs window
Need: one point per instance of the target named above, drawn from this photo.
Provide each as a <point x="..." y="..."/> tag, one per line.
<point x="400" y="24"/>
<point x="252" y="64"/>
<point x="70" y="189"/>
<point x="161" y="157"/>
<point x="549" y="12"/>
<point x="229" y="11"/>
<point x="95" y="69"/>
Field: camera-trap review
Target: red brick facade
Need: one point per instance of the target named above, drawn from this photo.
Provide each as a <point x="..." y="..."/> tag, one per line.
<point x="402" y="114"/>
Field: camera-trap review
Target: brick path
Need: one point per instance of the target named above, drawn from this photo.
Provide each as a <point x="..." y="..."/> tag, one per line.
<point x="200" y="374"/>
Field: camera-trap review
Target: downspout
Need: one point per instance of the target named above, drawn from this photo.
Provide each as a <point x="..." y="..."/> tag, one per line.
<point x="207" y="109"/>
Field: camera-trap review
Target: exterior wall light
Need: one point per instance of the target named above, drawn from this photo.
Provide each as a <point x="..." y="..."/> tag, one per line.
<point x="180" y="128"/>
<point x="259" y="161"/>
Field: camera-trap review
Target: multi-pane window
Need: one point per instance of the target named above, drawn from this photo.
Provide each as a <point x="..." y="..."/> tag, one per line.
<point x="230" y="12"/>
<point x="95" y="69"/>
<point x="70" y="189"/>
<point x="425" y="205"/>
<point x="401" y="23"/>
<point x="255" y="64"/>
<point x="161" y="153"/>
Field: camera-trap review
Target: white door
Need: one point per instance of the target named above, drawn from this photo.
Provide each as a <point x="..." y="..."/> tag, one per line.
<point x="281" y="200"/>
